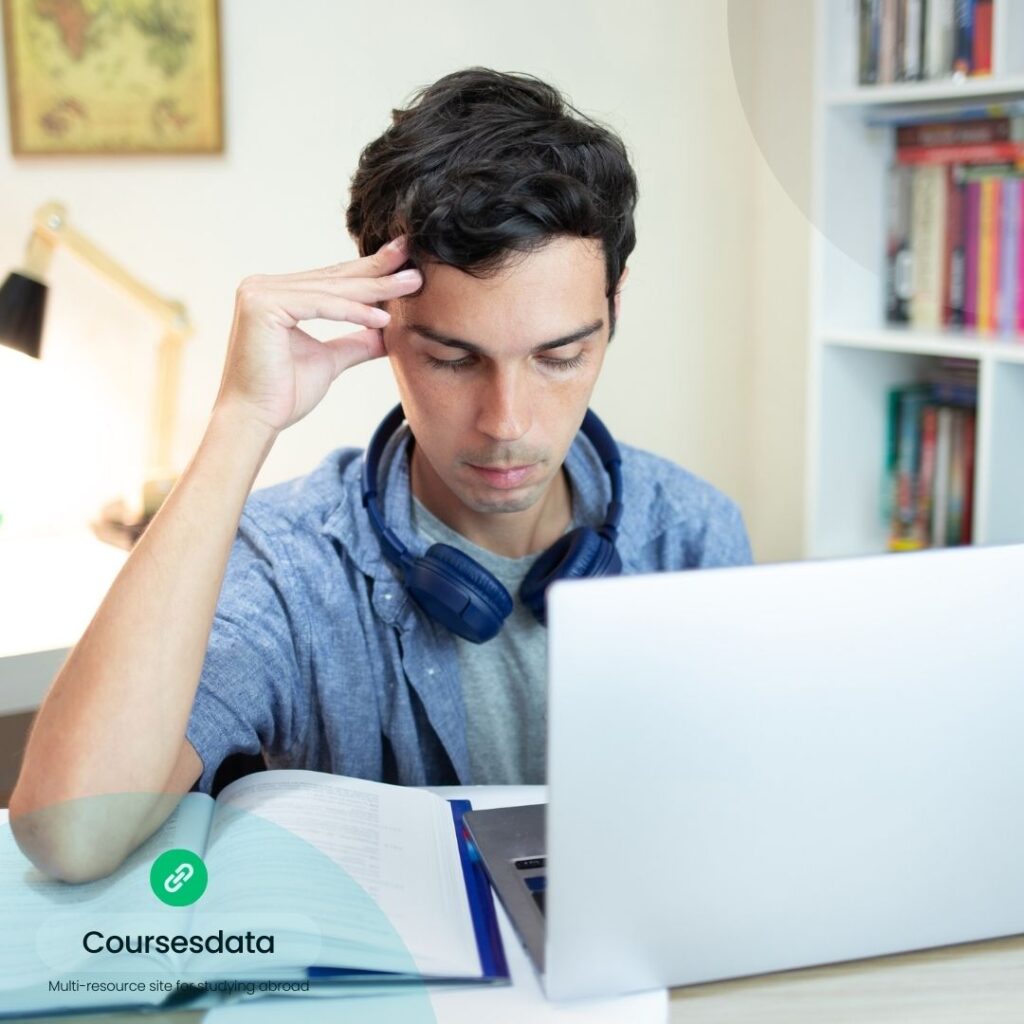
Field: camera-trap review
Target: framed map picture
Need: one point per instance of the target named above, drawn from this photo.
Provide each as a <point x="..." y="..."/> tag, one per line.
<point x="113" y="76"/>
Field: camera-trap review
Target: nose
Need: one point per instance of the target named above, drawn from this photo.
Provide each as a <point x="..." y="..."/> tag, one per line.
<point x="504" y="405"/>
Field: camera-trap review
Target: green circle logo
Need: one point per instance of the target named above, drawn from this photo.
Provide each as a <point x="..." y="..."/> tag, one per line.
<point x="178" y="877"/>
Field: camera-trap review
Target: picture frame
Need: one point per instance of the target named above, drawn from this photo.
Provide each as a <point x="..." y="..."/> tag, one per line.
<point x="124" y="77"/>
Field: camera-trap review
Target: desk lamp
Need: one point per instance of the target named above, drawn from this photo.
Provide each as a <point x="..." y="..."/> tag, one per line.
<point x="22" y="308"/>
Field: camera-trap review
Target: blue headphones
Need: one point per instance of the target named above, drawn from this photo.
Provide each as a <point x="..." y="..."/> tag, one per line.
<point x="458" y="591"/>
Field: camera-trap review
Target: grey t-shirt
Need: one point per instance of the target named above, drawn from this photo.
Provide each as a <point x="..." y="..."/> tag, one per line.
<point x="504" y="681"/>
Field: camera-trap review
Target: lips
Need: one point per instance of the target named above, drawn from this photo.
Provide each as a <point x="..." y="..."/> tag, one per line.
<point x="503" y="478"/>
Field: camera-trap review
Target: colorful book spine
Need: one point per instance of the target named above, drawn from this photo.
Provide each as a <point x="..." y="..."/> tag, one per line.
<point x="963" y="39"/>
<point x="973" y="141"/>
<point x="929" y="216"/>
<point x="903" y="536"/>
<point x="900" y="43"/>
<point x="887" y="44"/>
<point x="926" y="474"/>
<point x="913" y="41"/>
<point x="953" y="287"/>
<point x="982" y="40"/>
<point x="971" y="261"/>
<point x="930" y="457"/>
<point x="899" y="258"/>
<point x="905" y="115"/>
<point x="978" y="153"/>
<point x="892" y="450"/>
<point x="960" y="132"/>
<point x="988" y="219"/>
<point x="967" y="531"/>
<point x="940" y="494"/>
<point x="955" y="512"/>
<point x="1020" y="266"/>
<point x="996" y="245"/>
<point x="1009" y="233"/>
<point x="870" y="25"/>
<point x="938" y="60"/>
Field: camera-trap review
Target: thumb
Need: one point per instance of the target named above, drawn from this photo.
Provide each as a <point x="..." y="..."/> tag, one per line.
<point x="358" y="347"/>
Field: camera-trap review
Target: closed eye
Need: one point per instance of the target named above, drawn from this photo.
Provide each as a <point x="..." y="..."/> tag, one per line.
<point x="454" y="365"/>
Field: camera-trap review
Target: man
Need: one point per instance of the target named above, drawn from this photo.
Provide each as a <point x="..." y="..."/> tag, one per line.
<point x="272" y="624"/>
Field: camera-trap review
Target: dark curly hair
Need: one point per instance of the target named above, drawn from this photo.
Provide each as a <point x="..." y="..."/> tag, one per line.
<point x="484" y="165"/>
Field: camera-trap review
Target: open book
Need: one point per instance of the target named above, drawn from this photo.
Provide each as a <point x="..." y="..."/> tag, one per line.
<point x="351" y="884"/>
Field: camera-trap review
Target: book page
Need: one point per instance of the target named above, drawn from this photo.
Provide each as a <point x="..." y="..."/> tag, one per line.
<point x="375" y="866"/>
<point x="46" y="920"/>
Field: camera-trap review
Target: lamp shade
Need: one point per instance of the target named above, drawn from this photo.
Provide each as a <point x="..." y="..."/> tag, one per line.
<point x="22" y="305"/>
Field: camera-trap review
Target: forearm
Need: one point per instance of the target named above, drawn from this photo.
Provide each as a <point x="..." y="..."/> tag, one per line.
<point x="114" y="718"/>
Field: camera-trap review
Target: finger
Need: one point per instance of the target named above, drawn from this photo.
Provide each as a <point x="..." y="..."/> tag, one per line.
<point x="360" y="289"/>
<point x="292" y="307"/>
<point x="386" y="260"/>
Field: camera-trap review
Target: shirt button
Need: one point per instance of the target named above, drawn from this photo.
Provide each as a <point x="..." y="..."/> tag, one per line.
<point x="387" y="597"/>
<point x="430" y="671"/>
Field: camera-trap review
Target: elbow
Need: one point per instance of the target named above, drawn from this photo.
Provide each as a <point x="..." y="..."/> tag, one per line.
<point x="63" y="841"/>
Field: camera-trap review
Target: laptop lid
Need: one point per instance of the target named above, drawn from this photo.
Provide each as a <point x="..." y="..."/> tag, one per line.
<point x="759" y="768"/>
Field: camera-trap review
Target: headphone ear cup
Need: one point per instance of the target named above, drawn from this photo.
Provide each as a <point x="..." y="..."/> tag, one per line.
<point x="459" y="593"/>
<point x="579" y="554"/>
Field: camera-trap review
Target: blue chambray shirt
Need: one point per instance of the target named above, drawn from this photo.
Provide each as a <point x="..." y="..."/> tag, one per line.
<point x="318" y="659"/>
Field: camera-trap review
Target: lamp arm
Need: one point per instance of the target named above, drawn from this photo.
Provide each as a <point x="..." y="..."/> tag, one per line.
<point x="51" y="229"/>
<point x="51" y="226"/>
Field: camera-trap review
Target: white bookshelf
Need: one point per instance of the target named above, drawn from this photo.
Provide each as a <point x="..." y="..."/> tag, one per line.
<point x="855" y="356"/>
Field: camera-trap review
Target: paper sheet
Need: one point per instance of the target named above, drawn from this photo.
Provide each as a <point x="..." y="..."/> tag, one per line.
<point x="401" y="849"/>
<point x="521" y="1001"/>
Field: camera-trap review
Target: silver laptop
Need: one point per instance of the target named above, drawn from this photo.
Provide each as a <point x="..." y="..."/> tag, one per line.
<point x="768" y="767"/>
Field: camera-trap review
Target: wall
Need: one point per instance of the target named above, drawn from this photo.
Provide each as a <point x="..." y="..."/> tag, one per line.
<point x="705" y="363"/>
<point x="773" y="58"/>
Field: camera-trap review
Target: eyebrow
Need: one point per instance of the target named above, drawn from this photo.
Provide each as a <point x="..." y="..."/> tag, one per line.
<point x="468" y="346"/>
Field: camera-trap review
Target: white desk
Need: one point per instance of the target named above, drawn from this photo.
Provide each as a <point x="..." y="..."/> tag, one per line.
<point x="977" y="983"/>
<point x="50" y="588"/>
<point x="522" y="1001"/>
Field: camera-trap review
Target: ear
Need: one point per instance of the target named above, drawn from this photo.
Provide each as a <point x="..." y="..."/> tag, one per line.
<point x="618" y="290"/>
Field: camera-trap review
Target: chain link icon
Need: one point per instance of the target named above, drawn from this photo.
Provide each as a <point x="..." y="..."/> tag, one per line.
<point x="178" y="877"/>
<point x="174" y="882"/>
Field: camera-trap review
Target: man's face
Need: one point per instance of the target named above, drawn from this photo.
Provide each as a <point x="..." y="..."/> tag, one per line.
<point x="498" y="400"/>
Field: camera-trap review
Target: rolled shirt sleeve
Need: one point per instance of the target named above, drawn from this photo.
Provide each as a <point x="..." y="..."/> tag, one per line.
<point x="246" y="697"/>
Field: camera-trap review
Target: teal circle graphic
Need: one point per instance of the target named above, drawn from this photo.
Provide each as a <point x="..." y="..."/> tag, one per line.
<point x="178" y="877"/>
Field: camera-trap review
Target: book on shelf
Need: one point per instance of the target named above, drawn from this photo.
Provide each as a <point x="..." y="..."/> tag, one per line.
<point x="926" y="473"/>
<point x="919" y="40"/>
<point x="899" y="279"/>
<point x="908" y="403"/>
<point x="930" y="458"/>
<point x="938" y="52"/>
<point x="927" y="220"/>
<point x="954" y="227"/>
<point x="354" y="883"/>
<point x="972" y="54"/>
<point x="993" y="192"/>
<point x="954" y="253"/>
<point x="913" y="40"/>
<point x="940" y="494"/>
<point x="938" y="111"/>
<point x="991" y="140"/>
